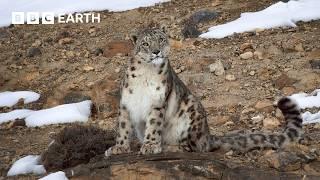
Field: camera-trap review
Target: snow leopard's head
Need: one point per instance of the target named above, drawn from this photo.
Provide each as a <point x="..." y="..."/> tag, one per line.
<point x="151" y="46"/>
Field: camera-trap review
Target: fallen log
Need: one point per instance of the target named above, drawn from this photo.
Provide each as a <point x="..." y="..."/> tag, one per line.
<point x="175" y="166"/>
<point x="78" y="150"/>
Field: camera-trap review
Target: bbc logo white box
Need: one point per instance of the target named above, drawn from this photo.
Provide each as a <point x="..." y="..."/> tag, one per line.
<point x="17" y="18"/>
<point x="33" y="18"/>
<point x="47" y="18"/>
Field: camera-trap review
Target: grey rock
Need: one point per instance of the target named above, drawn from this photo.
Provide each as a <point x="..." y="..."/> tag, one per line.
<point x="62" y="34"/>
<point x="274" y="50"/>
<point x="73" y="97"/>
<point x="288" y="160"/>
<point x="190" y="29"/>
<point x="217" y="68"/>
<point x="4" y="34"/>
<point x="34" y="51"/>
<point x="315" y="63"/>
<point x="203" y="16"/>
<point x="97" y="51"/>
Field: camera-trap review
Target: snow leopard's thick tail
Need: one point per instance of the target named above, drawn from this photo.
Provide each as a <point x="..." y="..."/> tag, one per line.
<point x="245" y="142"/>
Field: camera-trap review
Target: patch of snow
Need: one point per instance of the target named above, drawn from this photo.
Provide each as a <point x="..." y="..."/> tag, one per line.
<point x="60" y="175"/>
<point x="9" y="98"/>
<point x="311" y="100"/>
<point x="309" y="118"/>
<point x="279" y="14"/>
<point x="26" y="165"/>
<point x="307" y="100"/>
<point x="65" y="7"/>
<point x="66" y="113"/>
<point x="15" y="114"/>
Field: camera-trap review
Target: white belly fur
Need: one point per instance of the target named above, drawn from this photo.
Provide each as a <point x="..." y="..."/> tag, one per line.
<point x="144" y="97"/>
<point x="139" y="103"/>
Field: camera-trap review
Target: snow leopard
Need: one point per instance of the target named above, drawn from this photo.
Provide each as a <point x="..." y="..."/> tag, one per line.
<point x="161" y="111"/>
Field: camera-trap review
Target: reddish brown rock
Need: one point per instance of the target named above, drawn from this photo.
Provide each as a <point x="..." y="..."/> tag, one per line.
<point x="264" y="106"/>
<point x="314" y="54"/>
<point x="31" y="75"/>
<point x="246" y="47"/>
<point x="283" y="80"/>
<point x="292" y="44"/>
<point x="114" y="48"/>
<point x="198" y="65"/>
<point x="219" y="120"/>
<point x="287" y="91"/>
<point x="292" y="158"/>
<point x="174" y="44"/>
<point x="265" y="74"/>
<point x="66" y="40"/>
<point x="283" y="161"/>
<point x="105" y="97"/>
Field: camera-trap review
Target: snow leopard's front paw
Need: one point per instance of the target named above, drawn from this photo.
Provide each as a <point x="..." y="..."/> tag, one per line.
<point x="151" y="148"/>
<point x="117" y="149"/>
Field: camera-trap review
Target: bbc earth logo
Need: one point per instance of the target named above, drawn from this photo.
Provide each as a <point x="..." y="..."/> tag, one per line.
<point x="49" y="18"/>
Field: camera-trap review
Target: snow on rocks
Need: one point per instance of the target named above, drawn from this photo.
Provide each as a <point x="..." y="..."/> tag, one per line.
<point x="309" y="118"/>
<point x="26" y="165"/>
<point x="67" y="113"/>
<point x="308" y="100"/>
<point x="311" y="100"/>
<point x="9" y="98"/>
<point x="15" y="114"/>
<point x="279" y="14"/>
<point x="60" y="175"/>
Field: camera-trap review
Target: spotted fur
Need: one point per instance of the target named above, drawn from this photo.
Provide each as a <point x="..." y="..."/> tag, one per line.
<point x="166" y="116"/>
<point x="246" y="142"/>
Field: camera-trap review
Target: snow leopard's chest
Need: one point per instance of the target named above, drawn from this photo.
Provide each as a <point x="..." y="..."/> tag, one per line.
<point x="143" y="93"/>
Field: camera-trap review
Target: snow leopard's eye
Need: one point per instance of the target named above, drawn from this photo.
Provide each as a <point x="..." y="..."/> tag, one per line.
<point x="161" y="39"/>
<point x="145" y="44"/>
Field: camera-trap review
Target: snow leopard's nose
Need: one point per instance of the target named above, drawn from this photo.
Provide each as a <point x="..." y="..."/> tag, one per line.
<point x="156" y="52"/>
